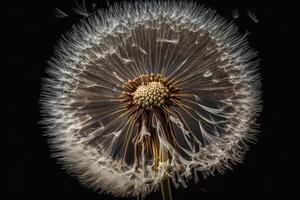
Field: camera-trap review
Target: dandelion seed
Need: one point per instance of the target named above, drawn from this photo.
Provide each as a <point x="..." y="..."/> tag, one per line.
<point x="252" y="16"/>
<point x="235" y="14"/>
<point x="148" y="94"/>
<point x="59" y="14"/>
<point x="94" y="6"/>
<point x="81" y="9"/>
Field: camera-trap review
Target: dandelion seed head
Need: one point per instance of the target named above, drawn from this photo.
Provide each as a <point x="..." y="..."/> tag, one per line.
<point x="149" y="90"/>
<point x="151" y="94"/>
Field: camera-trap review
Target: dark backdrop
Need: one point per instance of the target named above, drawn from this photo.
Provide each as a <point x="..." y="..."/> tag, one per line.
<point x="30" y="33"/>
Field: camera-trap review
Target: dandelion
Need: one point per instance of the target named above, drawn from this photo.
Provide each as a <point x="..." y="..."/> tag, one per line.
<point x="150" y="93"/>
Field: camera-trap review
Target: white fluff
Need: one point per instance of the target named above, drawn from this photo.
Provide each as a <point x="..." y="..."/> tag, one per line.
<point x="220" y="125"/>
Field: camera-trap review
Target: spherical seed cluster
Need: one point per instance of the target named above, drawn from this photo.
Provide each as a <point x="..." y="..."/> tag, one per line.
<point x="152" y="94"/>
<point x="98" y="80"/>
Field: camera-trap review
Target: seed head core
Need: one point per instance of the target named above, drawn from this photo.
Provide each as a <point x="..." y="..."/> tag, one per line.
<point x="152" y="94"/>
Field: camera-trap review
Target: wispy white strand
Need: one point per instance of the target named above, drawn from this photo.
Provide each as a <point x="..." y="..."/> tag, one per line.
<point x="215" y="142"/>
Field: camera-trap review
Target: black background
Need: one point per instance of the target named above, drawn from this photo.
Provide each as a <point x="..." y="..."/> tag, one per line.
<point x="30" y="33"/>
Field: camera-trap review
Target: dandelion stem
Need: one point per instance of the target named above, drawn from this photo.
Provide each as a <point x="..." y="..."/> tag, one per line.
<point x="166" y="188"/>
<point x="161" y="155"/>
<point x="165" y="183"/>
